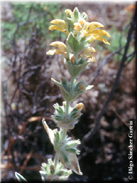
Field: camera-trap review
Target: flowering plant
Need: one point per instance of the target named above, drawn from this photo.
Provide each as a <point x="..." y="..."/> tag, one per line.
<point x="77" y="53"/>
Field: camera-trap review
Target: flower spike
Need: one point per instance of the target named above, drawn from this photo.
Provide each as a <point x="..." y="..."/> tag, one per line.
<point x="77" y="54"/>
<point x="61" y="49"/>
<point x="60" y="25"/>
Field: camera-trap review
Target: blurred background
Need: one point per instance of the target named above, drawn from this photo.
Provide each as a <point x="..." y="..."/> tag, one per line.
<point x="28" y="94"/>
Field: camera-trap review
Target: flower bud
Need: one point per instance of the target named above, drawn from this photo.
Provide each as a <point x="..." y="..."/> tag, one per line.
<point x="77" y="27"/>
<point x="80" y="106"/>
<point x="62" y="79"/>
<point x="82" y="87"/>
<point x="91" y="26"/>
<point x="72" y="58"/>
<point x="60" y="45"/>
<point x="68" y="13"/>
<point x="81" y="21"/>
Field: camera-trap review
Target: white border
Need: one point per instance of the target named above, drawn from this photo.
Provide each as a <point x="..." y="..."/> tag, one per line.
<point x="72" y="1"/>
<point x="59" y="1"/>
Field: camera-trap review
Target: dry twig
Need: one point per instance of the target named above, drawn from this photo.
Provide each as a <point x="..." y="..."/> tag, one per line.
<point x="122" y="64"/>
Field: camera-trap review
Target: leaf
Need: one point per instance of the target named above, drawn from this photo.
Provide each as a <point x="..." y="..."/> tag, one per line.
<point x="71" y="150"/>
<point x="56" y="82"/>
<point x="48" y="130"/>
<point x="70" y="21"/>
<point x="84" y="16"/>
<point x="64" y="157"/>
<point x="73" y="143"/>
<point x="20" y="177"/>
<point x="72" y="163"/>
<point x="76" y="14"/>
<point x="74" y="70"/>
<point x="43" y="175"/>
<point x="56" y="140"/>
<point x="89" y="87"/>
<point x="73" y="42"/>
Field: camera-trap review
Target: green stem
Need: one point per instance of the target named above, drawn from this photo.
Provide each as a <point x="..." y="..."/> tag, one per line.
<point x="66" y="110"/>
<point x="72" y="81"/>
<point x="67" y="106"/>
<point x="76" y="57"/>
<point x="64" y="133"/>
<point x="56" y="162"/>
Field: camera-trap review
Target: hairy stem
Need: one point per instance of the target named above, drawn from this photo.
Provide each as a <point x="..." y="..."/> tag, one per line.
<point x="56" y="161"/>
<point x="72" y="81"/>
<point x="66" y="110"/>
<point x="67" y="106"/>
<point x="64" y="133"/>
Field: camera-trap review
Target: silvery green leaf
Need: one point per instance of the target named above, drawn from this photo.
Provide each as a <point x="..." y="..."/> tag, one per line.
<point x="50" y="162"/>
<point x="62" y="88"/>
<point x="56" y="139"/>
<point x="43" y="175"/>
<point x="59" y="166"/>
<point x="64" y="157"/>
<point x="49" y="131"/>
<point x="20" y="177"/>
<point x="72" y="163"/>
<point x="73" y="42"/>
<point x="45" y="166"/>
<point x="64" y="172"/>
<point x="76" y="14"/>
<point x="72" y="150"/>
<point x="56" y="82"/>
<point x="73" y="143"/>
<point x="89" y="87"/>
<point x="60" y="110"/>
<point x="60" y="173"/>
<point x="71" y="22"/>
<point x="84" y="16"/>
<point x="75" y="69"/>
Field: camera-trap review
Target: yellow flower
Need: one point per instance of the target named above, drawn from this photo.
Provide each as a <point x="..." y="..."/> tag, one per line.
<point x="77" y="27"/>
<point x="89" y="27"/>
<point x="61" y="49"/>
<point x="91" y="58"/>
<point x="81" y="21"/>
<point x="88" y="50"/>
<point x="97" y="35"/>
<point x="60" y="25"/>
<point x="81" y="87"/>
<point x="91" y="30"/>
<point x="60" y="45"/>
<point x="79" y="106"/>
<point x="71" y="58"/>
<point x="87" y="53"/>
<point x="68" y="12"/>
